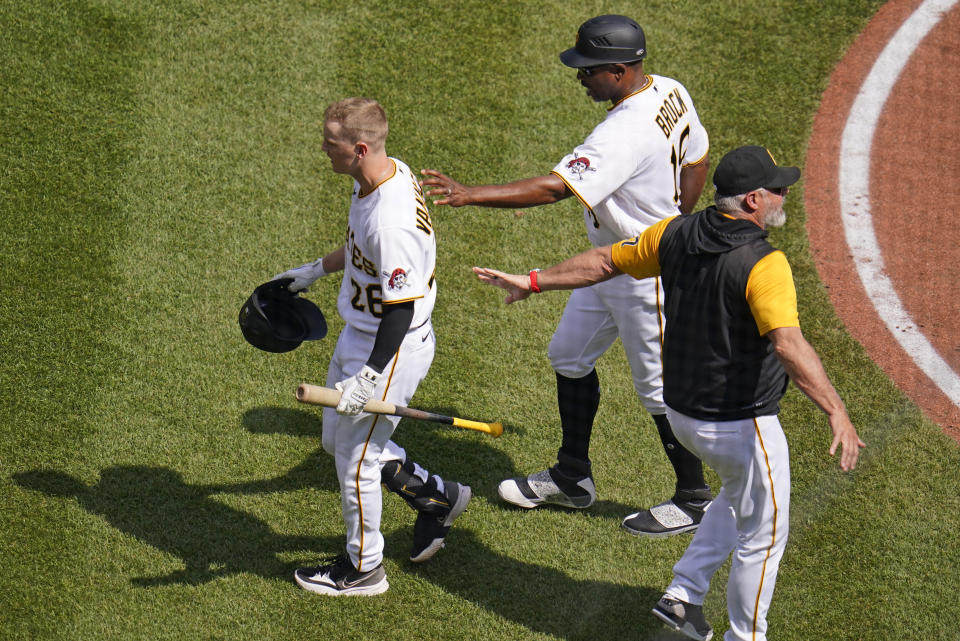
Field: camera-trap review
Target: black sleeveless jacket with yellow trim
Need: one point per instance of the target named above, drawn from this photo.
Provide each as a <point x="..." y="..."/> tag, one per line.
<point x="716" y="364"/>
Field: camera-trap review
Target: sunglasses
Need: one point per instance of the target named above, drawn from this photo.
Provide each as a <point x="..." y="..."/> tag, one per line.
<point x="780" y="191"/>
<point x="589" y="71"/>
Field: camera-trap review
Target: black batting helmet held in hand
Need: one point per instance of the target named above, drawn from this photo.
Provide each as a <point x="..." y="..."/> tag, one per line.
<point x="275" y="320"/>
<point x="606" y="39"/>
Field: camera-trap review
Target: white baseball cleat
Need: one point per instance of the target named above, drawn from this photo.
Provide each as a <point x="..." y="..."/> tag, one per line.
<point x="680" y="514"/>
<point x="683" y="617"/>
<point x="548" y="487"/>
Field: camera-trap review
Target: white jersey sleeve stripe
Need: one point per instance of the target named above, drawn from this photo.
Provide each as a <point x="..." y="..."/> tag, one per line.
<point x="698" y="161"/>
<point x="402" y="300"/>
<point x="574" y="191"/>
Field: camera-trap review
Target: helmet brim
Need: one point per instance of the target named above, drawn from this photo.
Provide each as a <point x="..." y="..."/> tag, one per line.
<point x="577" y="60"/>
<point x="573" y="58"/>
<point x="314" y="323"/>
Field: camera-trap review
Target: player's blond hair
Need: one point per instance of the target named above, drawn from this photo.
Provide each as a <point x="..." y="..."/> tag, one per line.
<point x="361" y="119"/>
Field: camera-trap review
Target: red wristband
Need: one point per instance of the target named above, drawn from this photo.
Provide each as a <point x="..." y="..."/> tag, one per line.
<point x="533" y="281"/>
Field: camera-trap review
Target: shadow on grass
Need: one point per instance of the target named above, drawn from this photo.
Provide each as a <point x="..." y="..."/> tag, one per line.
<point x="542" y="599"/>
<point x="283" y="420"/>
<point x="473" y="460"/>
<point x="213" y="540"/>
<point x="155" y="506"/>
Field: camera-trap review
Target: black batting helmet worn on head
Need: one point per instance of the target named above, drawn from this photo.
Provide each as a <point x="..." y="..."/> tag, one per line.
<point x="276" y="320"/>
<point x="606" y="39"/>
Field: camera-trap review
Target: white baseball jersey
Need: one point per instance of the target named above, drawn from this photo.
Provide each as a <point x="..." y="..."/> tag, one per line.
<point x="390" y="252"/>
<point x="627" y="175"/>
<point x="627" y="172"/>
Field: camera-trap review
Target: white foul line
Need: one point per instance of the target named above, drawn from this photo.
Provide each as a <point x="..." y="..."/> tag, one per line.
<point x="855" y="194"/>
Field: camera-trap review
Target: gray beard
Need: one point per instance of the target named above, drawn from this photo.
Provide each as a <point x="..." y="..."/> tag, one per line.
<point x="776" y="219"/>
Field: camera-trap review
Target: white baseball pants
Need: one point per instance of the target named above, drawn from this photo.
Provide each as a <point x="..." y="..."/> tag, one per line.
<point x="750" y="517"/>
<point x="361" y="444"/>
<point x="593" y="318"/>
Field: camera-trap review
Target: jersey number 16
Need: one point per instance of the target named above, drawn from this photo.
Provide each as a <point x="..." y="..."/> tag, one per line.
<point x="676" y="158"/>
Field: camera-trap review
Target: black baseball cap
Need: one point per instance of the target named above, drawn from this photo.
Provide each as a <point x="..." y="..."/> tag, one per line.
<point x="606" y="39"/>
<point x="751" y="167"/>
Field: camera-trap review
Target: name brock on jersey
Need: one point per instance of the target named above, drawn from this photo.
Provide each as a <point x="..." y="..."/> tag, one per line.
<point x="670" y="112"/>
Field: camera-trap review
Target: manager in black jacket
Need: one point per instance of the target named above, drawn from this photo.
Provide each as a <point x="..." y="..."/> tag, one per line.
<point x="732" y="341"/>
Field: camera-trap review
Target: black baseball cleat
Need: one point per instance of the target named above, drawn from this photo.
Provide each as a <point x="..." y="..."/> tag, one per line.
<point x="431" y="528"/>
<point x="680" y="514"/>
<point x="338" y="577"/>
<point x="683" y="617"/>
<point x="549" y="487"/>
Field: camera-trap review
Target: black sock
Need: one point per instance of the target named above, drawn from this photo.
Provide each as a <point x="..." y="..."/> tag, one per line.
<point x="578" y="400"/>
<point x="686" y="465"/>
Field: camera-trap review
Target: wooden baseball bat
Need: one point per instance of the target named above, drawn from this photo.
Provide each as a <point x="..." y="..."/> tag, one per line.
<point x="316" y="395"/>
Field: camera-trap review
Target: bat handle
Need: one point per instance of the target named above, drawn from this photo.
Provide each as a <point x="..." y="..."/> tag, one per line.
<point x="493" y="429"/>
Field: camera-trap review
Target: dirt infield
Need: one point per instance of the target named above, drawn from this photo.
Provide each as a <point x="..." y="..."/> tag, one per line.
<point x="911" y="172"/>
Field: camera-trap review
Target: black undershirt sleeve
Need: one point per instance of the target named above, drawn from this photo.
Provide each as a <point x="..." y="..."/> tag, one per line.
<point x="393" y="327"/>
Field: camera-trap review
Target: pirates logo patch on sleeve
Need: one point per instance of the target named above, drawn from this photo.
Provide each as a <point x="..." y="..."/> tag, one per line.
<point x="398" y="280"/>
<point x="579" y="166"/>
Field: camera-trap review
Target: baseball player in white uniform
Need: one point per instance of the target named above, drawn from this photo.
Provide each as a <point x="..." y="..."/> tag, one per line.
<point x="645" y="162"/>
<point x="384" y="351"/>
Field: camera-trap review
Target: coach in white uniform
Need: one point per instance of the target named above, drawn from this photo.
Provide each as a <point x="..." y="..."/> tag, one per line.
<point x="645" y="162"/>
<point x="384" y="351"/>
<point x="731" y="344"/>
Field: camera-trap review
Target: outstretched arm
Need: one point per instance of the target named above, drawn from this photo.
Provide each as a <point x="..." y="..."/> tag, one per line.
<point x="528" y="192"/>
<point x="803" y="366"/>
<point x="592" y="266"/>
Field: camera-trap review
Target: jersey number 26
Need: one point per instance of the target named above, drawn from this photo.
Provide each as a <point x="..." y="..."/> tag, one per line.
<point x="374" y="298"/>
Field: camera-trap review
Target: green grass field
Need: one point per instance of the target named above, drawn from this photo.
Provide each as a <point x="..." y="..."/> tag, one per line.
<point x="158" y="159"/>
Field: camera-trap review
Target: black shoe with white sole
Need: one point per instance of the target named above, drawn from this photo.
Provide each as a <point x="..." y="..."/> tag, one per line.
<point x="338" y="577"/>
<point x="683" y="617"/>
<point x="551" y="487"/>
<point x="680" y="514"/>
<point x="431" y="527"/>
